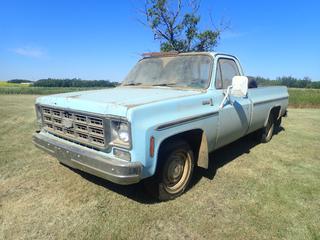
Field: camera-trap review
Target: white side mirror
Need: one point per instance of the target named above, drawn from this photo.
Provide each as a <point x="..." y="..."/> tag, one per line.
<point x="239" y="86"/>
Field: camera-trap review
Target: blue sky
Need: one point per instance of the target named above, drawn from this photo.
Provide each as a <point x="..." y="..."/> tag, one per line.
<point x="103" y="39"/>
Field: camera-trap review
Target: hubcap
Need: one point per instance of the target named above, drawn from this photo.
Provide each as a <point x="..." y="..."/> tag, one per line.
<point x="178" y="170"/>
<point x="175" y="170"/>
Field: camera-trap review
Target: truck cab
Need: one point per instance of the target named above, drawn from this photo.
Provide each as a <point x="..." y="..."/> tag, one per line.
<point x="168" y="114"/>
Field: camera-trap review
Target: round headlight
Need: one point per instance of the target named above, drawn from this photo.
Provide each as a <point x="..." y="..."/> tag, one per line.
<point x="123" y="133"/>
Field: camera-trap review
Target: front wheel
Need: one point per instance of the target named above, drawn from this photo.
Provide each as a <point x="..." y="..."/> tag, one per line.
<point x="174" y="172"/>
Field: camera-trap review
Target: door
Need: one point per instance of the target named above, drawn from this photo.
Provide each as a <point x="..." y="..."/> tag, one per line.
<point x="235" y="115"/>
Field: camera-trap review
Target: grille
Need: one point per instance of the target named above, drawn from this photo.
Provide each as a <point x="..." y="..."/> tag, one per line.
<point x="75" y="127"/>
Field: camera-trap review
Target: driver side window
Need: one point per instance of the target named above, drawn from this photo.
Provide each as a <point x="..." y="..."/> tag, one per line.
<point x="226" y="70"/>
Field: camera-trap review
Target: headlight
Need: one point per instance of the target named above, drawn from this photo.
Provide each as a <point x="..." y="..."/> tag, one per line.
<point x="120" y="133"/>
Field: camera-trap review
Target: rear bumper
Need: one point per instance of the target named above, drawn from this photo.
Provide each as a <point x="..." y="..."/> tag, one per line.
<point x="89" y="161"/>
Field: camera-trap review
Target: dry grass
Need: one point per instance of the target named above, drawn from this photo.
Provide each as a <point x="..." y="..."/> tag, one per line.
<point x="265" y="191"/>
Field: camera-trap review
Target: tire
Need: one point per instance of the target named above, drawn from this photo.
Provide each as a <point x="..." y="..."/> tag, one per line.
<point x="174" y="171"/>
<point x="278" y="123"/>
<point x="267" y="131"/>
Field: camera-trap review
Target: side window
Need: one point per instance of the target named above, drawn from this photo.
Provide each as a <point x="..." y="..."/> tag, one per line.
<point x="229" y="69"/>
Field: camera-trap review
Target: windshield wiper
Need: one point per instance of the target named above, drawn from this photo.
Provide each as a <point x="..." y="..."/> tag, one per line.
<point x="165" y="84"/>
<point x="132" y="84"/>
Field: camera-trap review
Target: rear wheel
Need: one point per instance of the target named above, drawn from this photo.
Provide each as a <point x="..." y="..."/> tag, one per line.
<point x="174" y="172"/>
<point x="278" y="123"/>
<point x="267" y="131"/>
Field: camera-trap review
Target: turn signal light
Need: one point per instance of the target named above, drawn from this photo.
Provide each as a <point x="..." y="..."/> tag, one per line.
<point x="152" y="146"/>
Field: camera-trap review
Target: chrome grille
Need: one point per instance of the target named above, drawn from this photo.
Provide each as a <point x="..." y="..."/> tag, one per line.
<point x="79" y="128"/>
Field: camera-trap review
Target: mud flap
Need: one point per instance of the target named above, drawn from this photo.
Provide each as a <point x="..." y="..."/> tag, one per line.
<point x="203" y="156"/>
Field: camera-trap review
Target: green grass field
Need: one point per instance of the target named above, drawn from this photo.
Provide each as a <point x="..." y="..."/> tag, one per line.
<point x="301" y="98"/>
<point x="40" y="90"/>
<point x="6" y="84"/>
<point x="252" y="191"/>
<point x="15" y="88"/>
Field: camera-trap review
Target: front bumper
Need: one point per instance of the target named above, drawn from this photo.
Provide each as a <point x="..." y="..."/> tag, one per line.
<point x="89" y="161"/>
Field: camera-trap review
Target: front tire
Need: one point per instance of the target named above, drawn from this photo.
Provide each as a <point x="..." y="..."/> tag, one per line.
<point x="173" y="175"/>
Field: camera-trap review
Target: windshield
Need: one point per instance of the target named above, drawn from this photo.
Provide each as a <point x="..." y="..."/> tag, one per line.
<point x="182" y="71"/>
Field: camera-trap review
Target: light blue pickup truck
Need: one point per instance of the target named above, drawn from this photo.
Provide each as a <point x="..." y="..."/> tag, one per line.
<point x="167" y="115"/>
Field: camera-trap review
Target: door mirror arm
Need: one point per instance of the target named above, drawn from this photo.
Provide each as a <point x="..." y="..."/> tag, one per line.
<point x="226" y="96"/>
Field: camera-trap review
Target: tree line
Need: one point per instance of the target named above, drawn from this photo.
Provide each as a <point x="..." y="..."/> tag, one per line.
<point x="19" y="81"/>
<point x="290" y="82"/>
<point x="76" y="82"/>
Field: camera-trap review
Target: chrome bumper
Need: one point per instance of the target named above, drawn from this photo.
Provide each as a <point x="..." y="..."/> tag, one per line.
<point x="87" y="160"/>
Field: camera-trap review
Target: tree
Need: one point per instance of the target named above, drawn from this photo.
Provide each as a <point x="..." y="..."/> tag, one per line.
<point x="175" y="24"/>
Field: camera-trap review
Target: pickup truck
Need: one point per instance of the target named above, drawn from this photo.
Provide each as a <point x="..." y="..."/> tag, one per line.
<point x="168" y="114"/>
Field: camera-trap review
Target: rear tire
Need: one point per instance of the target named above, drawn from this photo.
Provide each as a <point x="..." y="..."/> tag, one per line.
<point x="174" y="171"/>
<point x="268" y="130"/>
<point x="278" y="123"/>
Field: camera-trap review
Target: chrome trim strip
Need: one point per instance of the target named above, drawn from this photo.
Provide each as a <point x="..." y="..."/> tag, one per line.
<point x="270" y="100"/>
<point x="185" y="120"/>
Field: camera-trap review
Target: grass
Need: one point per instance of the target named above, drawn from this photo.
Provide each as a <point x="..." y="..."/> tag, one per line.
<point x="15" y="88"/>
<point x="264" y="191"/>
<point x="7" y="84"/>
<point x="304" y="98"/>
<point x="40" y="90"/>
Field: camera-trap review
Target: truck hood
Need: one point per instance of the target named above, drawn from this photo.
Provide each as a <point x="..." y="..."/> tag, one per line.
<point x="115" y="101"/>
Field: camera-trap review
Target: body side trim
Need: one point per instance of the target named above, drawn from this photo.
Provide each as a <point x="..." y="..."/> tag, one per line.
<point x="185" y="120"/>
<point x="270" y="100"/>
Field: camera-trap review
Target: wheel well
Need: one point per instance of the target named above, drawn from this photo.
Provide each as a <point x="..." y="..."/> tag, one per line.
<point x="192" y="137"/>
<point x="275" y="112"/>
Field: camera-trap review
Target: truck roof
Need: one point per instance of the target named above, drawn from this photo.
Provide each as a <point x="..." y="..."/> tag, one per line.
<point x="175" y="53"/>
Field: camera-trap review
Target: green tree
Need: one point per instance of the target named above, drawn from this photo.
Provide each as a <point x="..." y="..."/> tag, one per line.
<point x="176" y="24"/>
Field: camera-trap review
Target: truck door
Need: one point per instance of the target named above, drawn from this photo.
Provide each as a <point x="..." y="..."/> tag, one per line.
<point x="234" y="117"/>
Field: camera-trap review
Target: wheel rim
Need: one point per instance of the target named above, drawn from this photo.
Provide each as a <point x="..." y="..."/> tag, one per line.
<point x="270" y="131"/>
<point x="178" y="171"/>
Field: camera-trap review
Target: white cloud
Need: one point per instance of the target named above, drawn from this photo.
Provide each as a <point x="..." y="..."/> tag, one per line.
<point x="29" y="52"/>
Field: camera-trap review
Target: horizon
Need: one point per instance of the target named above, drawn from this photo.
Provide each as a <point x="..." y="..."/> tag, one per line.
<point x="110" y="80"/>
<point x="103" y="40"/>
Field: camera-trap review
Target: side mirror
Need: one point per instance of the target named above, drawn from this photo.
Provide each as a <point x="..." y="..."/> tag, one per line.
<point x="239" y="86"/>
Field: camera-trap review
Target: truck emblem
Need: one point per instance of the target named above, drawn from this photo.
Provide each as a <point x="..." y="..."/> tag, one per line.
<point x="67" y="123"/>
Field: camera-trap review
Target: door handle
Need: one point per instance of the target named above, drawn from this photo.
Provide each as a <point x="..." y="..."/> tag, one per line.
<point x="207" y="102"/>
